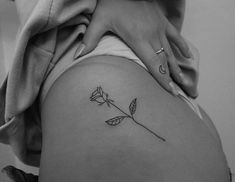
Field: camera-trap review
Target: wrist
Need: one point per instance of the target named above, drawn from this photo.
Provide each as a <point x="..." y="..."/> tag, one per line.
<point x="173" y="7"/>
<point x="174" y="10"/>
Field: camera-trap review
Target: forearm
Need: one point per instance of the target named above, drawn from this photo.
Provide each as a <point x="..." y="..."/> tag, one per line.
<point x="174" y="7"/>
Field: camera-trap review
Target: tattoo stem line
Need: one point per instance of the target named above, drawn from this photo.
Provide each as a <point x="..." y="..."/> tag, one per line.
<point x="121" y="110"/>
<point x="129" y="116"/>
<point x="101" y="98"/>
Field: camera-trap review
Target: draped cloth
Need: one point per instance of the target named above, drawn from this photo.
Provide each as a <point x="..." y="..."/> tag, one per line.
<point x="47" y="30"/>
<point x="40" y="42"/>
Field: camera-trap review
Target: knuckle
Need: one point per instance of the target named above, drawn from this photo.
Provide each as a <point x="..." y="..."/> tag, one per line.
<point x="177" y="69"/>
<point x="153" y="61"/>
<point x="176" y="66"/>
<point x="172" y="31"/>
<point x="169" y="55"/>
<point x="153" y="66"/>
<point x="186" y="48"/>
<point x="165" y="81"/>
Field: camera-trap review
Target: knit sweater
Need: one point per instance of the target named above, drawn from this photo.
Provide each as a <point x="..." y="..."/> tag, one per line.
<point x="38" y="48"/>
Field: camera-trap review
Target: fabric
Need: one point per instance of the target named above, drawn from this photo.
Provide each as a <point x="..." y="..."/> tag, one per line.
<point x="47" y="30"/>
<point x="41" y="23"/>
<point x="113" y="46"/>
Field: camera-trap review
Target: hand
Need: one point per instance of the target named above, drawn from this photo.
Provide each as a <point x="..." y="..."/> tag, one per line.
<point x="144" y="28"/>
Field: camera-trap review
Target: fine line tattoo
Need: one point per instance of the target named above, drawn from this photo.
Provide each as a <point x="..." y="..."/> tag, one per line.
<point x="162" y="69"/>
<point x="101" y="98"/>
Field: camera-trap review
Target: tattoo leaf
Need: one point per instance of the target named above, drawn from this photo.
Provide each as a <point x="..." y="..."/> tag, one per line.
<point x="115" y="121"/>
<point x="132" y="106"/>
<point x="100" y="97"/>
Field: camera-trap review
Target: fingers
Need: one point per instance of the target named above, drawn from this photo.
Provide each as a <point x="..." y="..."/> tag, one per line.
<point x="93" y="34"/>
<point x="175" y="70"/>
<point x="156" y="64"/>
<point x="174" y="36"/>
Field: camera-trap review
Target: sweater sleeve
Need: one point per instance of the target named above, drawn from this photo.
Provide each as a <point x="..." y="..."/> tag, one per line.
<point x="40" y="24"/>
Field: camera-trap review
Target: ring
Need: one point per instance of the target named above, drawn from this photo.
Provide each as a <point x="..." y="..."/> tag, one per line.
<point x="160" y="51"/>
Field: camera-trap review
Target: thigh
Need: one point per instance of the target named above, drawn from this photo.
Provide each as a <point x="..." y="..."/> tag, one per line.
<point x="108" y="120"/>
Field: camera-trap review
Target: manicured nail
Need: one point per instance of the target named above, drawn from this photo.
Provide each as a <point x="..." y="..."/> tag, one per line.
<point x="79" y="50"/>
<point x="174" y="89"/>
<point x="182" y="78"/>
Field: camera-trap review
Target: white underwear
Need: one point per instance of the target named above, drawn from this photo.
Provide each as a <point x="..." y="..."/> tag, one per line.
<point x="109" y="45"/>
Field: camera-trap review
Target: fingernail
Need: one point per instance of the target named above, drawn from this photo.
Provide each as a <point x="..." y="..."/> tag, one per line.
<point x="79" y="50"/>
<point x="174" y="89"/>
<point x="182" y="78"/>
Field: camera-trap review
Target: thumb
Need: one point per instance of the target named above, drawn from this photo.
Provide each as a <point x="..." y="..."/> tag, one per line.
<point x="92" y="36"/>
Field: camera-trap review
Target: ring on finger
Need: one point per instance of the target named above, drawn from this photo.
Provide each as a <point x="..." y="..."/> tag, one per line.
<point x="161" y="50"/>
<point x="162" y="68"/>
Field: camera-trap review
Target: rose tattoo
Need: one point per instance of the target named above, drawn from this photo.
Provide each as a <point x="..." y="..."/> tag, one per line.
<point x="100" y="97"/>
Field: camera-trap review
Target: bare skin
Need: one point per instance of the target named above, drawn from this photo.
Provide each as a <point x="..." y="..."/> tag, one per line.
<point x="146" y="26"/>
<point x="80" y="143"/>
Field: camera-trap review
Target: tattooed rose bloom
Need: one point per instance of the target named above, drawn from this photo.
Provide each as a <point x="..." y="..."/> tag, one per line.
<point x="97" y="95"/>
<point x="100" y="96"/>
